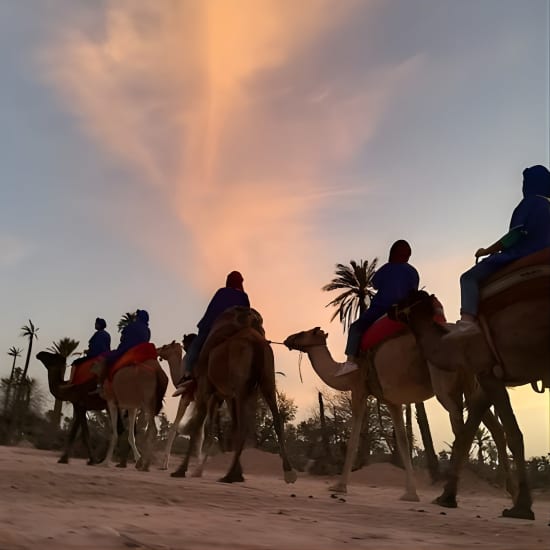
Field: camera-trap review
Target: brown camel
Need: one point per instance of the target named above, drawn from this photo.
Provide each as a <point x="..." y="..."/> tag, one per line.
<point x="137" y="387"/>
<point x="402" y="376"/>
<point x="78" y="395"/>
<point x="235" y="363"/>
<point x="518" y="333"/>
<point x="173" y="354"/>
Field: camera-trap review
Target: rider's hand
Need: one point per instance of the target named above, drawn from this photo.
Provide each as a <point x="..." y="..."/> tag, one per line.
<point x="481" y="252"/>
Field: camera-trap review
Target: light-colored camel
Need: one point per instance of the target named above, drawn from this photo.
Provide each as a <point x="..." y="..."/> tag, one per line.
<point x="521" y="337"/>
<point x="135" y="388"/>
<point x="235" y="363"/>
<point x="403" y="377"/>
<point x="172" y="353"/>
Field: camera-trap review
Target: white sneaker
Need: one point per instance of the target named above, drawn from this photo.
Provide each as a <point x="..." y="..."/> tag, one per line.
<point x="346" y="368"/>
<point x="463" y="328"/>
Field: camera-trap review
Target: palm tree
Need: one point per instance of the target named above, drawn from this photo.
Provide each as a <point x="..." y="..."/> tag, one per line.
<point x="28" y="331"/>
<point x="356" y="282"/>
<point x="65" y="347"/>
<point x="15" y="353"/>
<point x="125" y="320"/>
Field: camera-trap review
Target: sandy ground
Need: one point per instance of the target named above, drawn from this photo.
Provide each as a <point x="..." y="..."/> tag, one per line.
<point x="51" y="506"/>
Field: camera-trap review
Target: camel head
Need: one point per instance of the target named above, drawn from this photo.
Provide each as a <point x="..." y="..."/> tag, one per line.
<point x="51" y="360"/>
<point x="188" y="340"/>
<point x="170" y="351"/>
<point x="301" y="341"/>
<point x="418" y="304"/>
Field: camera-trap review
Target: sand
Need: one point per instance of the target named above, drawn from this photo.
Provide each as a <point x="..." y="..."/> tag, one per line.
<point x="47" y="506"/>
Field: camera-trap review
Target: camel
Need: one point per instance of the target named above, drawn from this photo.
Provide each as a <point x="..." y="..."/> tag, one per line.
<point x="79" y="396"/>
<point x="137" y="387"/>
<point x="173" y="354"/>
<point x="512" y="350"/>
<point x="235" y="363"/>
<point x="403" y="376"/>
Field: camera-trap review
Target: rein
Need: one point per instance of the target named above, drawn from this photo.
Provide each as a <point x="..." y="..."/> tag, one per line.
<point x="299" y="356"/>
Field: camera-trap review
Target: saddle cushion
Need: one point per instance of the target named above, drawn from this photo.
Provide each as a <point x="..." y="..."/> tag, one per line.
<point x="525" y="279"/>
<point x="137" y="354"/>
<point x="385" y="328"/>
<point x="381" y="330"/>
<point x="83" y="372"/>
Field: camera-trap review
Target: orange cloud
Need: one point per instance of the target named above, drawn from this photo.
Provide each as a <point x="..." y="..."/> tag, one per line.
<point x="227" y="109"/>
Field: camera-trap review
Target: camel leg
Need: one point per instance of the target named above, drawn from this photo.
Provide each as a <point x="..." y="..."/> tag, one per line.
<point x="207" y="432"/>
<point x="497" y="433"/>
<point x="240" y="410"/>
<point x="396" y="412"/>
<point x="113" y="413"/>
<point x="64" y="459"/>
<point x="182" y="407"/>
<point x="358" y="407"/>
<point x="461" y="447"/>
<point x="196" y="436"/>
<point x="86" y="439"/>
<point x="150" y="436"/>
<point x="132" y="415"/>
<point x="501" y="400"/>
<point x="271" y="399"/>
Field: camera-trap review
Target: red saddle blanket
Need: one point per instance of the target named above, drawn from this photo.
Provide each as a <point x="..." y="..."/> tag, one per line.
<point x="385" y="328"/>
<point x="83" y="373"/>
<point x="137" y="354"/>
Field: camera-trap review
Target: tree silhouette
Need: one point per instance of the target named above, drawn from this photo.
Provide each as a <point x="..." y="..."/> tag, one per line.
<point x="356" y="282"/>
<point x="125" y="320"/>
<point x="64" y="347"/>
<point x="15" y="353"/>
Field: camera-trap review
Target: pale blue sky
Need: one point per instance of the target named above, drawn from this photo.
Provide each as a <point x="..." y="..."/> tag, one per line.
<point x="352" y="125"/>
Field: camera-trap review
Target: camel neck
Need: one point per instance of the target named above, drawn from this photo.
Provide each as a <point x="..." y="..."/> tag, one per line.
<point x="326" y="368"/>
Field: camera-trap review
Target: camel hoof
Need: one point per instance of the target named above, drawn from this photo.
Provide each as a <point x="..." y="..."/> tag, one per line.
<point x="104" y="464"/>
<point x="178" y="473"/>
<point x="446" y="501"/>
<point x="290" y="476"/>
<point x="518" y="513"/>
<point x="121" y="465"/>
<point x="196" y="473"/>
<point x="410" y="497"/>
<point x="163" y="467"/>
<point x="231" y="479"/>
<point x="63" y="460"/>
<point x="92" y="462"/>
<point x="340" y="488"/>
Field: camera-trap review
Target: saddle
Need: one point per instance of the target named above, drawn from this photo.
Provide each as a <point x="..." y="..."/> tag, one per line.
<point x="83" y="372"/>
<point x="525" y="279"/>
<point x="137" y="354"/>
<point x="385" y="328"/>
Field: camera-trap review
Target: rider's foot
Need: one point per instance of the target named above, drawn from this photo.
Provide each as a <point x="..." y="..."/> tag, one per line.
<point x="347" y="367"/>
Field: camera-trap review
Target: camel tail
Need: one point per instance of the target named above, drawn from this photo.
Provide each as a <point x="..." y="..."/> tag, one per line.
<point x="162" y="384"/>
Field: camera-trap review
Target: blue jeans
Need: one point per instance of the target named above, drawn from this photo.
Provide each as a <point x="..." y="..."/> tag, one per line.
<point x="356" y="329"/>
<point x="471" y="279"/>
<point x="192" y="355"/>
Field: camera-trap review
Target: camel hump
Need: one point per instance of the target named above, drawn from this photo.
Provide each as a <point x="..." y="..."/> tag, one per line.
<point x="525" y="279"/>
<point x="230" y="322"/>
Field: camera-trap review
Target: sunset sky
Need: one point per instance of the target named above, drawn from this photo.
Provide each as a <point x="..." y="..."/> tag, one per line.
<point x="152" y="146"/>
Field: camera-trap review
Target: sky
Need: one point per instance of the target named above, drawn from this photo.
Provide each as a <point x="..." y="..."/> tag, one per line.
<point x="150" y="147"/>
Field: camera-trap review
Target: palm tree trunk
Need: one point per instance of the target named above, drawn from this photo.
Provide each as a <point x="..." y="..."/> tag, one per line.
<point x="324" y="434"/>
<point x="427" y="441"/>
<point x="9" y="386"/>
